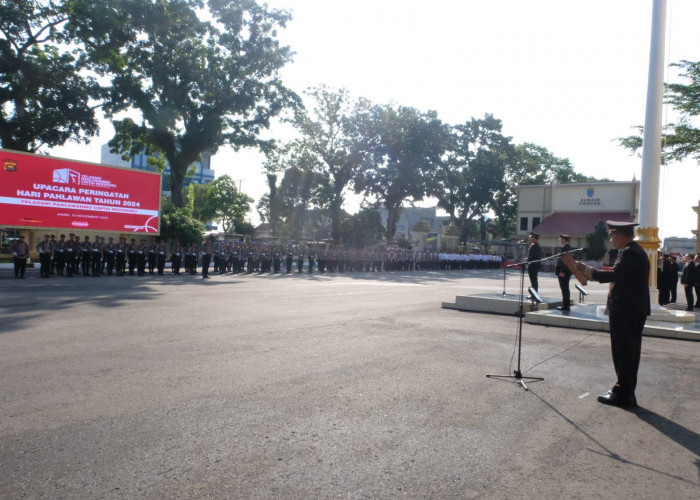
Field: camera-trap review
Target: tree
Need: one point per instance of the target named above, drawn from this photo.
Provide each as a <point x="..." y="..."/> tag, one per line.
<point x="362" y="230"/>
<point x="596" y="241"/>
<point x="177" y="224"/>
<point x="225" y="203"/>
<point x="197" y="84"/>
<point x="44" y="92"/>
<point x="405" y="145"/>
<point x="530" y="164"/>
<point x="679" y="140"/>
<point x="298" y="192"/>
<point x="473" y="173"/>
<point x="196" y="200"/>
<point x="331" y="144"/>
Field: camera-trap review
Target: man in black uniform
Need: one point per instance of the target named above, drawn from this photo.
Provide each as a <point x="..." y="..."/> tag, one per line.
<point x="60" y="255"/>
<point x="564" y="274"/>
<point x="110" y="255"/>
<point x="133" y="249"/>
<point x="688" y="280"/>
<point x="207" y="252"/>
<point x="629" y="306"/>
<point x="72" y="247"/>
<point x="534" y="253"/>
<point x="85" y="254"/>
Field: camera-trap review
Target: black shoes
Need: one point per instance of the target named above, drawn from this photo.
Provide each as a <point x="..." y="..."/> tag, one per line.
<point x="562" y="308"/>
<point x="615" y="399"/>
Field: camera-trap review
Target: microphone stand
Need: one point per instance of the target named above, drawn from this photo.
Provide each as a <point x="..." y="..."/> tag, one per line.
<point x="517" y="374"/>
<point x="508" y="266"/>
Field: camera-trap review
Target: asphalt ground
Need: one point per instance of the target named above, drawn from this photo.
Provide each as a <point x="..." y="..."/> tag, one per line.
<point x="318" y="386"/>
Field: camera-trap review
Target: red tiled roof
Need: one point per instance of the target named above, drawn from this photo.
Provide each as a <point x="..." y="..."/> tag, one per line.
<point x="578" y="224"/>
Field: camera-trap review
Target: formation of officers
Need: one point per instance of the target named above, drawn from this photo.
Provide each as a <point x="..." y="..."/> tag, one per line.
<point x="72" y="256"/>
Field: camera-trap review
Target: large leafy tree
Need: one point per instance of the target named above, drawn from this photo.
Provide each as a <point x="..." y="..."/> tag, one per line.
<point x="45" y="95"/>
<point x="299" y="191"/>
<point x="529" y="164"/>
<point x="474" y="171"/>
<point x="225" y="203"/>
<point x="405" y="146"/>
<point x="331" y="144"/>
<point x="197" y="83"/>
<point x="362" y="229"/>
<point x="679" y="140"/>
<point x="177" y="224"/>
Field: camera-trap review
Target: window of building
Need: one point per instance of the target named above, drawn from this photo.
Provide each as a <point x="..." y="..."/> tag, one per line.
<point x="535" y="222"/>
<point x="523" y="223"/>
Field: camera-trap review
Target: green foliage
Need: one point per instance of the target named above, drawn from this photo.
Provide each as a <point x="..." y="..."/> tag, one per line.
<point x="198" y="84"/>
<point x="244" y="227"/>
<point x="404" y="146"/>
<point x="196" y="199"/>
<point x="225" y="203"/>
<point x="404" y="243"/>
<point x="177" y="224"/>
<point x="678" y="140"/>
<point x="474" y="171"/>
<point x="289" y="204"/>
<point x="44" y="91"/>
<point x="596" y="241"/>
<point x="331" y="145"/>
<point x="362" y="230"/>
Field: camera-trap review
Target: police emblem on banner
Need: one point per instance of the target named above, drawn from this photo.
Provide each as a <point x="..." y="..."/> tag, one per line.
<point x="10" y="165"/>
<point x="590" y="192"/>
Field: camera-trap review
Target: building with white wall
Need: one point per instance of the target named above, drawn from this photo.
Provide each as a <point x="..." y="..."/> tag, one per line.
<point x="410" y="216"/>
<point x="574" y="209"/>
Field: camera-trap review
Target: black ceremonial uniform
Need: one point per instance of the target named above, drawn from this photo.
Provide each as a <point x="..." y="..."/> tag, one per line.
<point x="629" y="305"/>
<point x="289" y="259"/>
<point x="560" y="269"/>
<point x="688" y="281"/>
<point x="110" y="256"/>
<point x="160" y="258"/>
<point x="534" y="253"/>
<point x="86" y="252"/>
<point x="60" y="255"/>
<point x="176" y="258"/>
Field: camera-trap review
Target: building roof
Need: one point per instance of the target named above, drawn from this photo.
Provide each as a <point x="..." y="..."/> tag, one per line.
<point x="578" y="223"/>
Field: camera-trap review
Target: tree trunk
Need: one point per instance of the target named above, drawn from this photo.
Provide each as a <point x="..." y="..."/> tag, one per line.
<point x="394" y="212"/>
<point x="178" y="180"/>
<point x="335" y="218"/>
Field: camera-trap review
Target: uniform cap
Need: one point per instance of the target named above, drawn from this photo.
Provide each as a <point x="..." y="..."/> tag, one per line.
<point x="615" y="225"/>
<point x="565" y="236"/>
<point x="536" y="235"/>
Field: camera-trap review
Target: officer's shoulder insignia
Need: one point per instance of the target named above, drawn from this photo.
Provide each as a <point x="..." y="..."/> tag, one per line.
<point x="627" y="247"/>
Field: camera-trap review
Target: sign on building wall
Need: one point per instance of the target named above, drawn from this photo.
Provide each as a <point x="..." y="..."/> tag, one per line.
<point x="45" y="192"/>
<point x="595" y="198"/>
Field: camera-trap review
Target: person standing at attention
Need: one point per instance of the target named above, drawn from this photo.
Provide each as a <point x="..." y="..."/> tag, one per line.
<point x="564" y="274"/>
<point x="688" y="280"/>
<point x="629" y="306"/>
<point x="534" y="254"/>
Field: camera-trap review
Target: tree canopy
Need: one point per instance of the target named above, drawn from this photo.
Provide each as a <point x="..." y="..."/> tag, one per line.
<point x="197" y="84"/>
<point x="223" y="202"/>
<point x="679" y="140"/>
<point x="404" y="145"/>
<point x="45" y="95"/>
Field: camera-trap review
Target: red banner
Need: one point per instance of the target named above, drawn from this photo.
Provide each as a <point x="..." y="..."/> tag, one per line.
<point x="45" y="192"/>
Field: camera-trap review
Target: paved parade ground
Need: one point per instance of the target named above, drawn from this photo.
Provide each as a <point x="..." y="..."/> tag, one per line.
<point x="317" y="386"/>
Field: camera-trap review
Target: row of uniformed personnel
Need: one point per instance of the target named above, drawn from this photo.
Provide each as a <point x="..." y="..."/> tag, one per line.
<point x="73" y="256"/>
